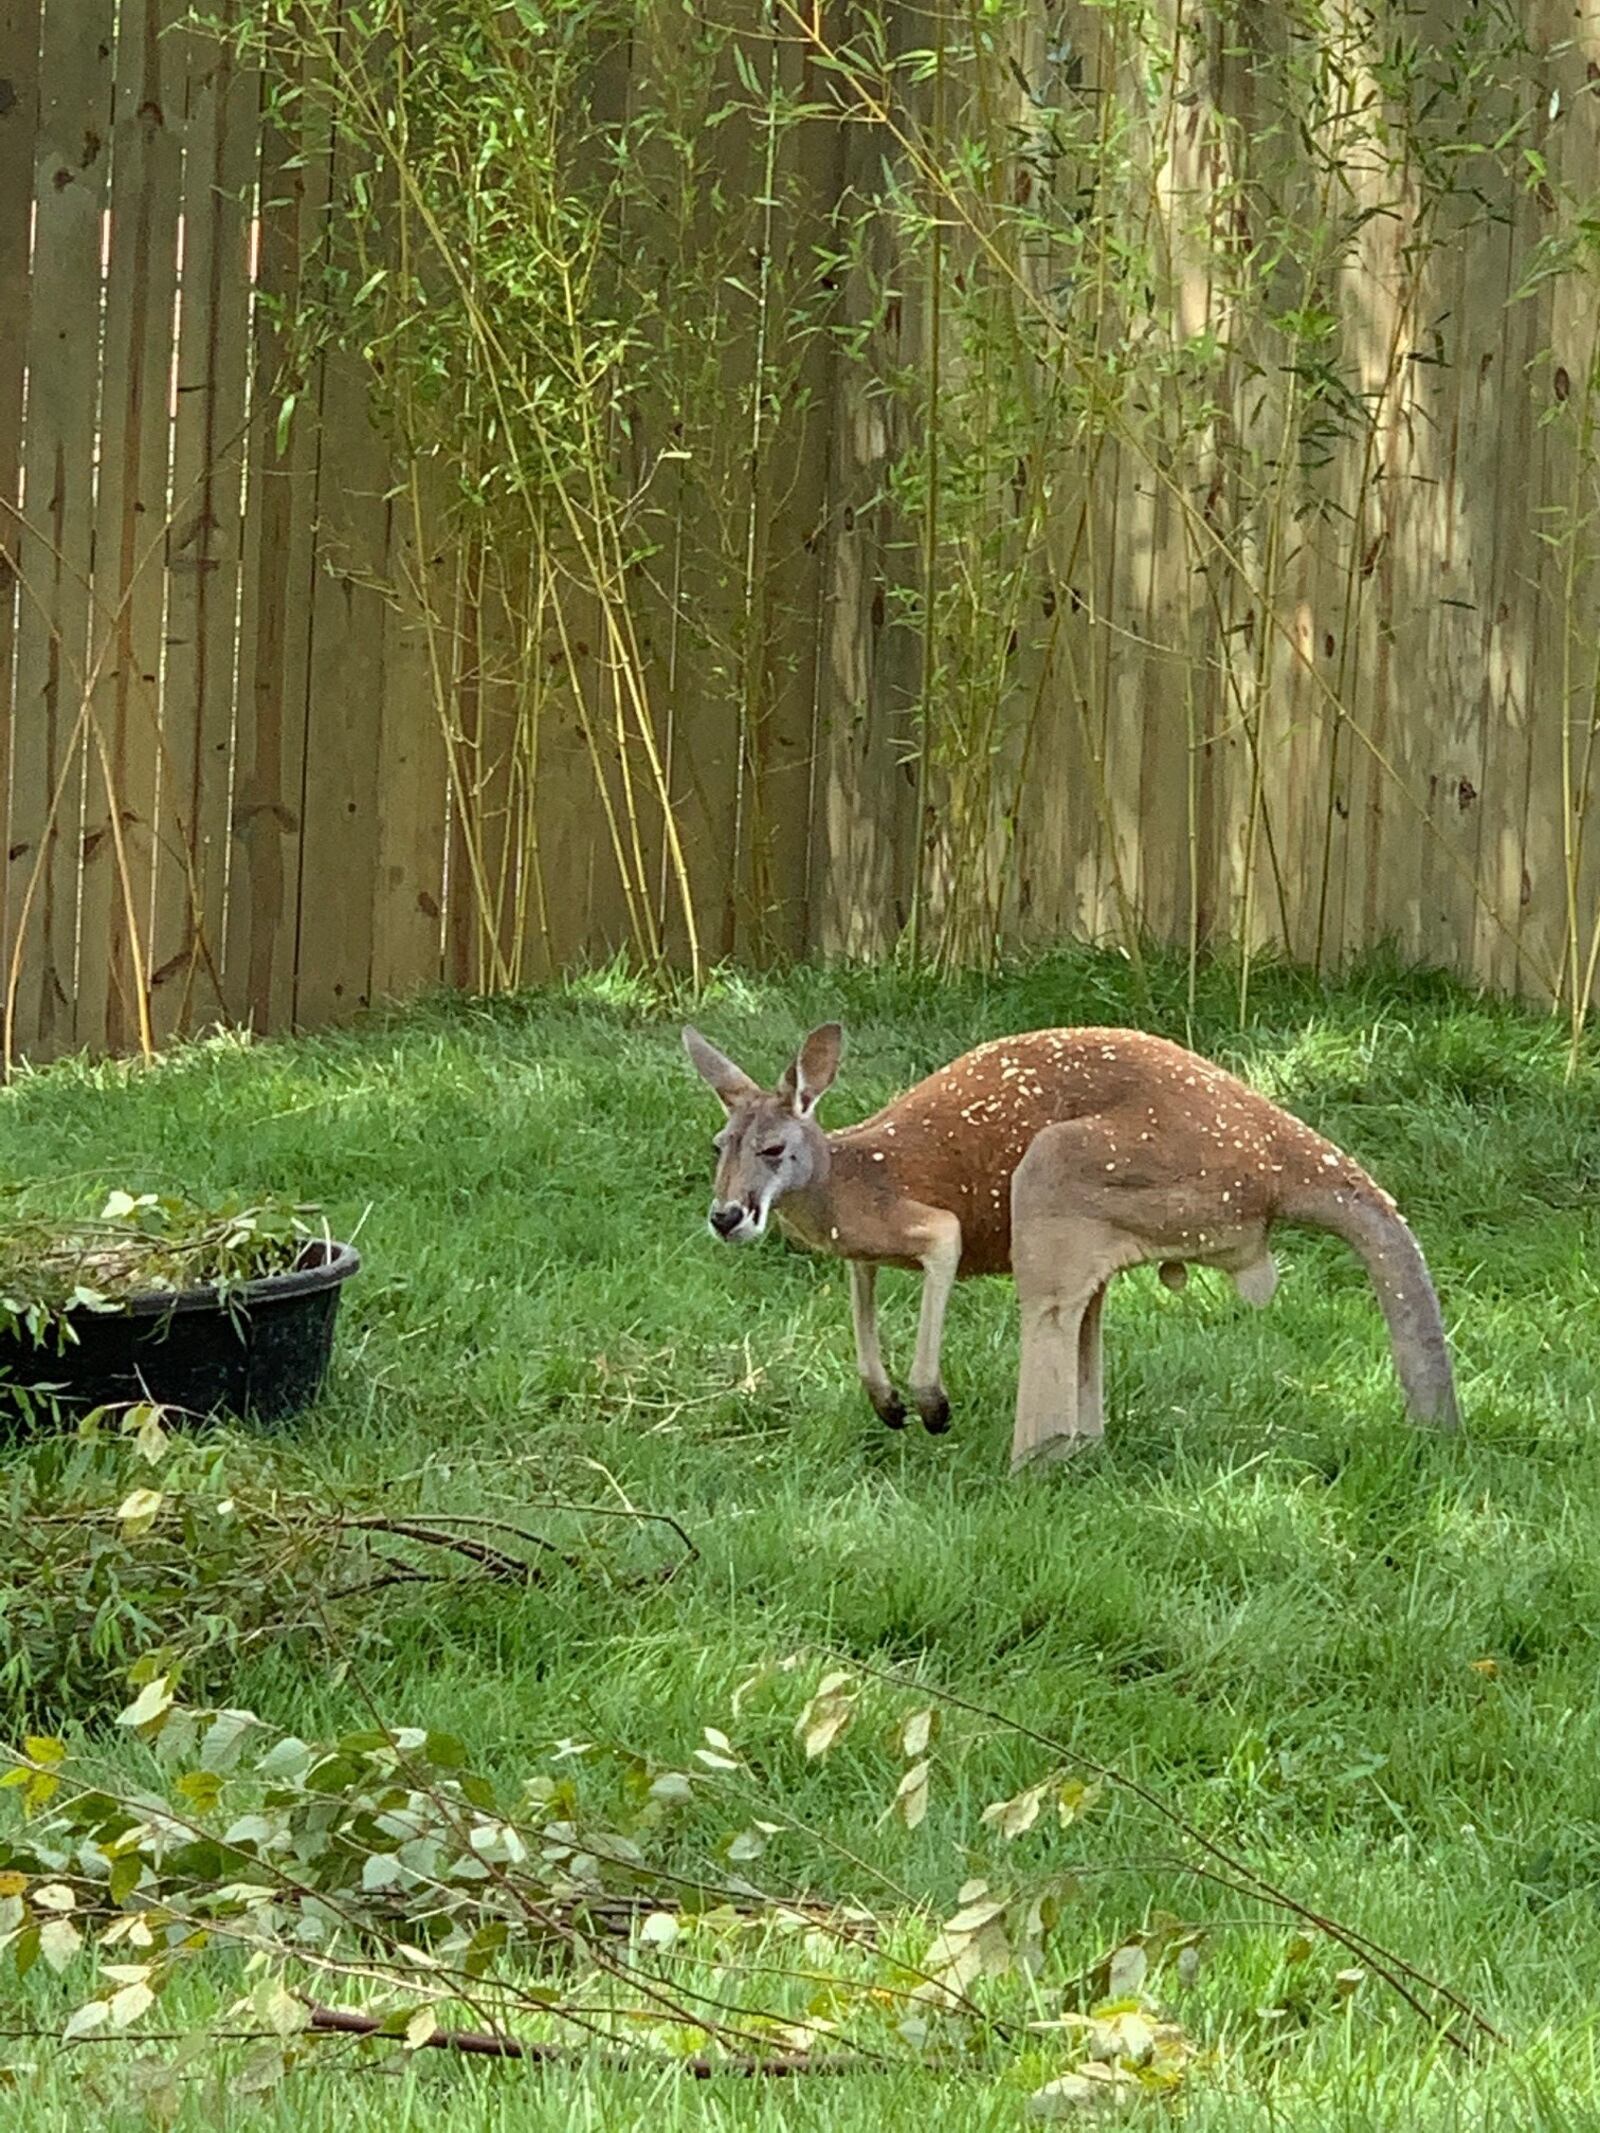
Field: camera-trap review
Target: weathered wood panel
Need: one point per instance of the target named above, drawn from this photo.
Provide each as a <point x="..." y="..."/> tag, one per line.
<point x="19" y="123"/>
<point x="204" y="540"/>
<point x="408" y="891"/>
<point x="54" y="553"/>
<point x="126" y="771"/>
<point x="339" y="830"/>
<point x="268" y="812"/>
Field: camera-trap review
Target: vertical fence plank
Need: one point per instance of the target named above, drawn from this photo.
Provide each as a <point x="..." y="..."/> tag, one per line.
<point x="796" y="178"/>
<point x="1575" y="344"/>
<point x="1542" y="530"/>
<point x="869" y="664"/>
<point x="472" y="847"/>
<point x="700" y="638"/>
<point x="413" y="767"/>
<point x="1452" y="419"/>
<point x="344" y="704"/>
<point x="55" y="543"/>
<point x="1164" y="768"/>
<point x="134" y="445"/>
<point x="19" y="124"/>
<point x="275" y="618"/>
<point x="503" y="651"/>
<point x="204" y="540"/>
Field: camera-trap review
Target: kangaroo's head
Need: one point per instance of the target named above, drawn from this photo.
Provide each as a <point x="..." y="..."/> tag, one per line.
<point x="771" y="1143"/>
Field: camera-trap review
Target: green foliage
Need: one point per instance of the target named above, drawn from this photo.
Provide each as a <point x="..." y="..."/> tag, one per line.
<point x="128" y="1542"/>
<point x="543" y="1914"/>
<point x="133" y="1544"/>
<point x="140" y="1245"/>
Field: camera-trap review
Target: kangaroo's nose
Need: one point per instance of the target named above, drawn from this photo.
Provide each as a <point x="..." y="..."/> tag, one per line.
<point x="726" y="1219"/>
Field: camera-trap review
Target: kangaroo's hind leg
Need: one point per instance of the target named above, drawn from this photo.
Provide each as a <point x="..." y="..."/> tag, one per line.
<point x="1061" y="1260"/>
<point x="1092" y="1367"/>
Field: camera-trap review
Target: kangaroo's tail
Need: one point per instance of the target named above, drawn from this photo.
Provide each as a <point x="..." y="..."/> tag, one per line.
<point x="1338" y="1196"/>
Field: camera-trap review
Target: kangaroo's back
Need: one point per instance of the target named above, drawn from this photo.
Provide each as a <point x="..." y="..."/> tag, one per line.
<point x="954" y="1140"/>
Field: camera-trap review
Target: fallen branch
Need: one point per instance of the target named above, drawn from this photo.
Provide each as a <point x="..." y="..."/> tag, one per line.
<point x="498" y="1562"/>
<point x="491" y="2044"/>
<point x="1399" y="1974"/>
<point x="616" y="1510"/>
<point x="494" y="1562"/>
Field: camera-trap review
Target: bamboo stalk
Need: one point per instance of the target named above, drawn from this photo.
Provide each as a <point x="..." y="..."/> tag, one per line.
<point x="930" y="526"/>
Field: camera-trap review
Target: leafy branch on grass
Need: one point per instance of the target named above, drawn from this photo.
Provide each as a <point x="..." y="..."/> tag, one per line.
<point x="380" y="1866"/>
<point x="375" y="1888"/>
<point x="125" y="1532"/>
<point x="1227" y="1868"/>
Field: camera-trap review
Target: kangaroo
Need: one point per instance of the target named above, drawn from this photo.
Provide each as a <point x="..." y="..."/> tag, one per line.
<point x="1062" y="1157"/>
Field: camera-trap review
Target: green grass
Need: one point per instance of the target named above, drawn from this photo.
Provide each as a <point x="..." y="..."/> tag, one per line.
<point x="1264" y="1595"/>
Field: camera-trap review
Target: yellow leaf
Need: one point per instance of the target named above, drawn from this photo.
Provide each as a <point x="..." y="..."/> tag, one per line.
<point x="974" y="1916"/>
<point x="826" y="1715"/>
<point x="911" y="1796"/>
<point x="43" y="1785"/>
<point x="59" y="1942"/>
<point x="139" y="1510"/>
<point x="423" y="2025"/>
<point x="917" y="1732"/>
<point x="130" y="2003"/>
<point x="89" y="2016"/>
<point x="1073" y="1799"/>
<point x="151" y="1438"/>
<point x="1015" y="1817"/>
<point x="152" y="1701"/>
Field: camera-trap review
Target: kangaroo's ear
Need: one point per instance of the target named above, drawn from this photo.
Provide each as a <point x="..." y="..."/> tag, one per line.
<point x="730" y="1082"/>
<point x="810" y="1074"/>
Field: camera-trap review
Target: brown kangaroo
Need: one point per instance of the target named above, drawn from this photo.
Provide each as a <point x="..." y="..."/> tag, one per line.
<point x="1062" y="1157"/>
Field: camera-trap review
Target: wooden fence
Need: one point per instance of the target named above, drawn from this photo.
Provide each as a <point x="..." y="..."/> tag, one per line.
<point x="246" y="778"/>
<point x="202" y="687"/>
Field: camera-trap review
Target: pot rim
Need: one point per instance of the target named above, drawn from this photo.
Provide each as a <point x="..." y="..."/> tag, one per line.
<point x="333" y="1265"/>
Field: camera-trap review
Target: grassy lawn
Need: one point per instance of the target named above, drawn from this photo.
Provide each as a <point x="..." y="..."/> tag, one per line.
<point x="1265" y="1596"/>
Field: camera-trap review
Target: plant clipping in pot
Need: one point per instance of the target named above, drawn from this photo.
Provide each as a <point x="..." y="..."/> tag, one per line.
<point x="225" y="1309"/>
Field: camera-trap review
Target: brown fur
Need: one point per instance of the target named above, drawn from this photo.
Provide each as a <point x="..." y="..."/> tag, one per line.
<point x="1063" y="1156"/>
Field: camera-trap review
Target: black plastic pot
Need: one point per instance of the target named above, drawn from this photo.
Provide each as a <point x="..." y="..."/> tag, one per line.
<point x="262" y="1355"/>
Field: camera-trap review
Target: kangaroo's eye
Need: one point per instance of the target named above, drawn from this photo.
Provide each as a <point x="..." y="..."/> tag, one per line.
<point x="774" y="1154"/>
